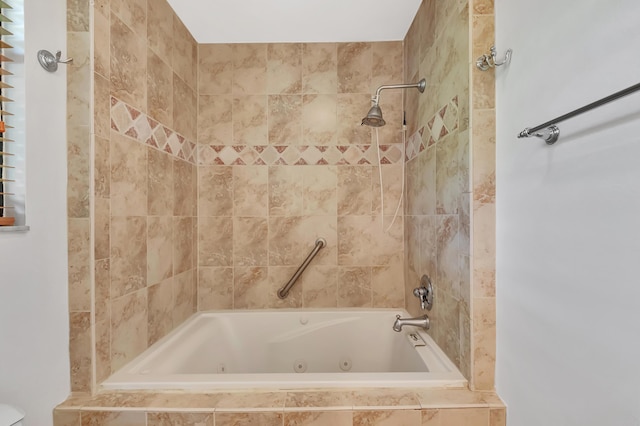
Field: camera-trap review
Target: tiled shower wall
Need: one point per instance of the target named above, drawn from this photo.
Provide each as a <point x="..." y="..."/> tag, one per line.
<point x="145" y="177"/>
<point x="283" y="160"/>
<point x="437" y="231"/>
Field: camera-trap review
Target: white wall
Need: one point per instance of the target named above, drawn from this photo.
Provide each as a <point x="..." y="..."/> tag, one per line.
<point x="568" y="282"/>
<point x="34" y="359"/>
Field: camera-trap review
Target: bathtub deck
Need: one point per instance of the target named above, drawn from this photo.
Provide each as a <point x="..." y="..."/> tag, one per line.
<point x="340" y="407"/>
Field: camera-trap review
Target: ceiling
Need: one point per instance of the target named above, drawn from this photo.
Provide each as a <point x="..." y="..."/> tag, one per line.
<point x="283" y="21"/>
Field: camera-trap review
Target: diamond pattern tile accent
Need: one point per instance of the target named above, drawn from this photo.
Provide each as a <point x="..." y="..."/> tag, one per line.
<point x="128" y="121"/>
<point x="440" y="125"/>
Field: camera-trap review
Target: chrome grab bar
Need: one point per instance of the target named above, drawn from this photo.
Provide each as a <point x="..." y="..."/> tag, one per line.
<point x="284" y="291"/>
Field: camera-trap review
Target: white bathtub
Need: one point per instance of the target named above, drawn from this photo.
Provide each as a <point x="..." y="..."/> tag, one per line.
<point x="289" y="349"/>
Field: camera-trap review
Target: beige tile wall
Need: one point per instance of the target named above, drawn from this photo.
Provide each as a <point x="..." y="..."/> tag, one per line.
<point x="283" y="160"/>
<point x="145" y="179"/>
<point x="483" y="119"/>
<point x="437" y="226"/>
<point x="435" y="407"/>
<point x="78" y="194"/>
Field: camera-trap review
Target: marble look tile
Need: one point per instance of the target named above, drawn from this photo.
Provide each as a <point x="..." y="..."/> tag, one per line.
<point x="354" y="67"/>
<point x="385" y="399"/>
<point x="159" y="249"/>
<point x="448" y="188"/>
<point x="215" y="119"/>
<point x="215" y="191"/>
<point x="285" y="119"/>
<point x="250" y="402"/>
<point x="159" y="29"/>
<point x="159" y="89"/>
<point x="387" y="417"/>
<point x="249" y="419"/>
<point x="484" y="154"/>
<point x="185" y="108"/>
<point x="128" y="255"/>
<point x="80" y="351"/>
<point x="215" y="237"/>
<point x="284" y="68"/>
<point x="182" y="402"/>
<point x="113" y="418"/>
<point x="318" y="418"/>
<point x="448" y="276"/>
<point x="77" y="16"/>
<point x="421" y="183"/>
<point x="250" y="241"/>
<point x="354" y="190"/>
<point x="128" y="327"/>
<point x="320" y="68"/>
<point x="354" y="240"/>
<point x="122" y="399"/>
<point x="387" y="284"/>
<point x="498" y="417"/>
<point x="319" y="119"/>
<point x="426" y="15"/>
<point x="250" y="69"/>
<point x="184" y="188"/>
<point x="184" y="296"/>
<point x="185" y="53"/>
<point x="179" y="419"/>
<point x="292" y="238"/>
<point x="392" y="189"/>
<point x="484" y="250"/>
<point x="386" y="64"/>
<point x="103" y="349"/>
<point x="183" y="242"/>
<point x="354" y="287"/>
<point x="319" y="190"/>
<point x="160" y="308"/>
<point x="285" y="190"/>
<point x="250" y="120"/>
<point x="79" y="79"/>
<point x="102" y="289"/>
<point x="452" y="398"/>
<point x="352" y="108"/>
<point x="484" y="343"/>
<point x="79" y="252"/>
<point x="466" y="416"/>
<point x="215" y="69"/>
<point x="412" y="49"/>
<point x="215" y="288"/>
<point x="66" y="418"/>
<point x="320" y="287"/>
<point x="251" y="191"/>
<point x="161" y="183"/>
<point x="128" y="177"/>
<point x="101" y="105"/>
<point x="250" y="288"/>
<point x="102" y="167"/>
<point x="318" y="401"/>
<point x="387" y="240"/>
<point x="128" y="65"/>
<point x="133" y="13"/>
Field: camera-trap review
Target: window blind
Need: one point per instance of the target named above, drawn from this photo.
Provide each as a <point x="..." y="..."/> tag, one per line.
<point x="6" y="215"/>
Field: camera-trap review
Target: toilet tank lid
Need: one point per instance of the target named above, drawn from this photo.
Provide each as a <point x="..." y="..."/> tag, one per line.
<point x="10" y="415"/>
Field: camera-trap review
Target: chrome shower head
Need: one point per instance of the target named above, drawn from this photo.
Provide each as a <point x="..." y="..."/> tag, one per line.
<point x="374" y="117"/>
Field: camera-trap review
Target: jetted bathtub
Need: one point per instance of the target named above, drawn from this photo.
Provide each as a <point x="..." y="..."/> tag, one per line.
<point x="290" y="349"/>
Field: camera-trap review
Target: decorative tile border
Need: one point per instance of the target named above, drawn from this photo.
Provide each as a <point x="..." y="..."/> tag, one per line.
<point x="297" y="155"/>
<point x="128" y="121"/>
<point x="441" y="124"/>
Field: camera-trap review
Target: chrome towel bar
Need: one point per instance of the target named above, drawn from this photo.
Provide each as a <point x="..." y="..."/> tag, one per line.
<point x="284" y="291"/>
<point x="550" y="132"/>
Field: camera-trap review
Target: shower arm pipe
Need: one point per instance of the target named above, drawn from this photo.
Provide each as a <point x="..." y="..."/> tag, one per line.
<point x="284" y="291"/>
<point x="419" y="85"/>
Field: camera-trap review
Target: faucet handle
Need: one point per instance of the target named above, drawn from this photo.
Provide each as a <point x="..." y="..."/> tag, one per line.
<point x="425" y="293"/>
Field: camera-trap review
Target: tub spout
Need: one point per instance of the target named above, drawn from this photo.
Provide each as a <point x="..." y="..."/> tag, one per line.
<point x="422" y="321"/>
